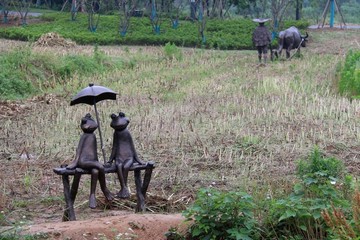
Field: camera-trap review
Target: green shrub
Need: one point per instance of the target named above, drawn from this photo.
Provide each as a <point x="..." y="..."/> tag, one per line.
<point x="349" y="84"/>
<point x="319" y="168"/>
<point x="322" y="185"/>
<point x="222" y="215"/>
<point x="13" y="80"/>
<point x="219" y="33"/>
<point x="300" y="24"/>
<point x="171" y="51"/>
<point x="24" y="73"/>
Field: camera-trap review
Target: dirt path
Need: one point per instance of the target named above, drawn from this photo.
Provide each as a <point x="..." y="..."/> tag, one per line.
<point x="127" y="226"/>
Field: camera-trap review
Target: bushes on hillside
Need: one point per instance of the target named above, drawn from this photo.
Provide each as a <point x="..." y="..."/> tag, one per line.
<point x="24" y="73"/>
<point x="220" y="34"/>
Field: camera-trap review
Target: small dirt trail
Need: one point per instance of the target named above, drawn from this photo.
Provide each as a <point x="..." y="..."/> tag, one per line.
<point x="127" y="226"/>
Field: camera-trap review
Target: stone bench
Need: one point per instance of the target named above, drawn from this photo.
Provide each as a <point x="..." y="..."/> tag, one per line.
<point x="70" y="192"/>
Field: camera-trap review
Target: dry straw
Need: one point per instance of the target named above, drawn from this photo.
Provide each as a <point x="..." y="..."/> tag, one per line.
<point x="212" y="118"/>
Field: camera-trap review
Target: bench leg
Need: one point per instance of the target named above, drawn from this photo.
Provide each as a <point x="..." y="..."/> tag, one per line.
<point x="147" y="178"/>
<point x="69" y="213"/>
<point x="141" y="188"/>
<point x="70" y="195"/>
<point x="140" y="206"/>
<point x="75" y="187"/>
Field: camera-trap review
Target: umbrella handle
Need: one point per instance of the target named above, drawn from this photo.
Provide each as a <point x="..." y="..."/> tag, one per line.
<point x="101" y="140"/>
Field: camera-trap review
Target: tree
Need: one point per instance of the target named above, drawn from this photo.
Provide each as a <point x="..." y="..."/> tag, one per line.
<point x="125" y="14"/>
<point x="298" y="9"/>
<point x="201" y="20"/>
<point x="22" y="7"/>
<point x="155" y="16"/>
<point x="93" y="10"/>
<point x="5" y="9"/>
<point x="174" y="12"/>
<point x="278" y="10"/>
<point x="74" y="8"/>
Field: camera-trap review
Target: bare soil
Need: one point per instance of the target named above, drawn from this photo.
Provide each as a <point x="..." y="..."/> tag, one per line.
<point x="123" y="225"/>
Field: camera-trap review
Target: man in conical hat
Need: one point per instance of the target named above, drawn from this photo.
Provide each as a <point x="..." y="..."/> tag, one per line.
<point x="261" y="38"/>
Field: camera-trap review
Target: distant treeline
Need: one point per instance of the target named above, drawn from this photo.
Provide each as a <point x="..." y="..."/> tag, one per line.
<point x="228" y="34"/>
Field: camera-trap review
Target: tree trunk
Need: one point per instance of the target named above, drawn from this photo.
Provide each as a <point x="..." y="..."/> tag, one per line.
<point x="298" y="7"/>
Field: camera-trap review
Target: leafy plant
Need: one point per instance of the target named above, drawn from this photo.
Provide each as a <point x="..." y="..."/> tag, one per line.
<point x="349" y="83"/>
<point x="14" y="230"/>
<point x="299" y="214"/>
<point x="171" y="51"/>
<point x="222" y="215"/>
<point x="173" y="234"/>
<point x="341" y="226"/>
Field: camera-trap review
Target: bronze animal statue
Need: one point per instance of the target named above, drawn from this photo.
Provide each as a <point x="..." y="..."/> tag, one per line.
<point x="87" y="158"/>
<point x="123" y="151"/>
<point x="290" y="39"/>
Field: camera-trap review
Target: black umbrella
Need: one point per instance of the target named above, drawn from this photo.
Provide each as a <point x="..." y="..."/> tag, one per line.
<point x="91" y="95"/>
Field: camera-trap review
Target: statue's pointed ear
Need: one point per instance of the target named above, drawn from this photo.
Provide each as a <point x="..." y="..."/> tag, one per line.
<point x="121" y="114"/>
<point x="113" y="116"/>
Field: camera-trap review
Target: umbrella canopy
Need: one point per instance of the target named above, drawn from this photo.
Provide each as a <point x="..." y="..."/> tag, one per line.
<point x="91" y="95"/>
<point x="261" y="20"/>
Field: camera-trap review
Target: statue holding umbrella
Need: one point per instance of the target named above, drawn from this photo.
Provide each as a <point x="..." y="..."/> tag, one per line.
<point x="91" y="95"/>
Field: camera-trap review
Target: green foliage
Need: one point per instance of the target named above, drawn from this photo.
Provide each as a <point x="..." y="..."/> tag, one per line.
<point x="24" y="73"/>
<point x="220" y="34"/>
<point x="173" y="234"/>
<point x="349" y="84"/>
<point x="222" y="215"/>
<point x="350" y="11"/>
<point x="13" y="231"/>
<point x="300" y="24"/>
<point x="319" y="168"/>
<point x="321" y="186"/>
<point x="342" y="226"/>
<point x="171" y="51"/>
<point x="12" y="74"/>
<point x="230" y="215"/>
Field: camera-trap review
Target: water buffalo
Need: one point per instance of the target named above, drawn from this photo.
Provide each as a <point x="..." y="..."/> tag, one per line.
<point x="290" y="39"/>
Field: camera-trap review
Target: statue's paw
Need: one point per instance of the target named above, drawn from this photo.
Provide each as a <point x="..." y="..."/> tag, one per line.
<point x="92" y="201"/>
<point x="124" y="193"/>
<point x="108" y="195"/>
<point x="108" y="164"/>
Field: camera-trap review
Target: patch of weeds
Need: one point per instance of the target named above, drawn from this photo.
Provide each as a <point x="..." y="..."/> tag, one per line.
<point x="3" y="220"/>
<point x="28" y="181"/>
<point x="126" y="49"/>
<point x="173" y="234"/>
<point x="20" y="203"/>
<point x="52" y="200"/>
<point x="350" y="75"/>
<point x="24" y="72"/>
<point x="248" y="144"/>
<point x="171" y="52"/>
<point x="14" y="230"/>
<point x="321" y="185"/>
<point x="222" y="215"/>
<point x="131" y="64"/>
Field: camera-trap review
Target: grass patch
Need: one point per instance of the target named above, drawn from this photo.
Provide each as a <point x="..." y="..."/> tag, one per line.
<point x="25" y="72"/>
